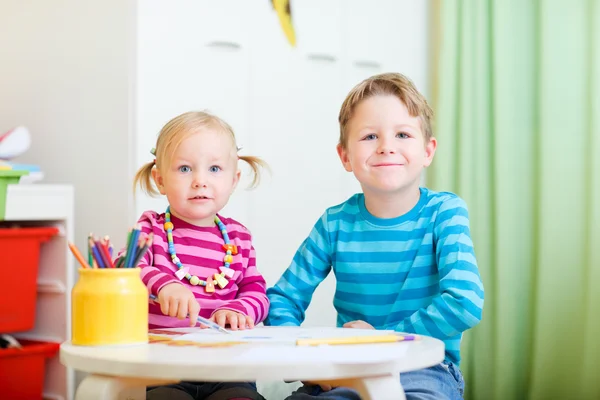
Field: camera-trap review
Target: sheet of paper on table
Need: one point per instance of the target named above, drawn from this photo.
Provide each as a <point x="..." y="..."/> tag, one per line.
<point x="282" y="335"/>
<point x="282" y="342"/>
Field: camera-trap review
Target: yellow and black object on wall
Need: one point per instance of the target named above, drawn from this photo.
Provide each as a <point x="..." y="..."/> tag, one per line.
<point x="284" y="13"/>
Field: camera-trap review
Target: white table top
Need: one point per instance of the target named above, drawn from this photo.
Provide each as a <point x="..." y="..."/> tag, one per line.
<point x="251" y="362"/>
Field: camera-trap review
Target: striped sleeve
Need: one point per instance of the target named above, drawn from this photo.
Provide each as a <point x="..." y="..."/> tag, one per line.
<point x="153" y="277"/>
<point x="311" y="264"/>
<point x="459" y="305"/>
<point x="251" y="298"/>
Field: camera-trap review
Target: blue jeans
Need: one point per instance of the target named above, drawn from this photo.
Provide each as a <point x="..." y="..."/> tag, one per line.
<point x="440" y="382"/>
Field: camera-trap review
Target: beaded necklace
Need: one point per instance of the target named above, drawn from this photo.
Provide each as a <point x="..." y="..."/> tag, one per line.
<point x="219" y="279"/>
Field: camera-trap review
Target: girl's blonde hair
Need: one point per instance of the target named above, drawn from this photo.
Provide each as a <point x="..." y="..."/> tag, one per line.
<point x="176" y="131"/>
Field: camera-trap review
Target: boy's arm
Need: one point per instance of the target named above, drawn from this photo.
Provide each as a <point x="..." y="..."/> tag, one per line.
<point x="291" y="295"/>
<point x="251" y="299"/>
<point x="459" y="305"/>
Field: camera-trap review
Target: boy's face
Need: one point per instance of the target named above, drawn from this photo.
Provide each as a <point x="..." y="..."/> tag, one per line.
<point x="200" y="178"/>
<point x="386" y="149"/>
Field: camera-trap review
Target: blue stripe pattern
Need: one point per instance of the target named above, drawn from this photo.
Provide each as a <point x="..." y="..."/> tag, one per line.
<point x="416" y="273"/>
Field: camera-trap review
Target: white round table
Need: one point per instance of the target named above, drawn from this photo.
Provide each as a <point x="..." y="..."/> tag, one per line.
<point x="123" y="372"/>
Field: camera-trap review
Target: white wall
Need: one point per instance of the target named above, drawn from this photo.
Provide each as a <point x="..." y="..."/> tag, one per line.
<point x="64" y="74"/>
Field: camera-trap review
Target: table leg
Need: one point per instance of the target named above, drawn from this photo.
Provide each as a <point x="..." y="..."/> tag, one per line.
<point x="103" y="387"/>
<point x="384" y="387"/>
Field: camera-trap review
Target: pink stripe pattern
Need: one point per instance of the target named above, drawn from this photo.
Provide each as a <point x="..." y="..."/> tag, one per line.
<point x="200" y="249"/>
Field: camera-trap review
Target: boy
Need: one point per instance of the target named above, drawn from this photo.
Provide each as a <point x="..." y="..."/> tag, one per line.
<point x="402" y="254"/>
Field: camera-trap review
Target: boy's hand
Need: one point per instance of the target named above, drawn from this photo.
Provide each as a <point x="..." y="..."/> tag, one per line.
<point x="235" y="320"/>
<point x="358" y="325"/>
<point x="178" y="301"/>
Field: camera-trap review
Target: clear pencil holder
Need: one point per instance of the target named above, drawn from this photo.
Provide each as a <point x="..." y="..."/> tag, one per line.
<point x="109" y="307"/>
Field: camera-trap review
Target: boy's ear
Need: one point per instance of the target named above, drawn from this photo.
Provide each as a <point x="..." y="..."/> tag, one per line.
<point x="344" y="158"/>
<point x="430" y="151"/>
<point x="158" y="180"/>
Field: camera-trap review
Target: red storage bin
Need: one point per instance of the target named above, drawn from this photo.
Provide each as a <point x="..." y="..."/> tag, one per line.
<point x="19" y="261"/>
<point x="22" y="370"/>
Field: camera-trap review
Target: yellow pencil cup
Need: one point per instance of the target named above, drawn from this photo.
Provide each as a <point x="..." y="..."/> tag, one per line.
<point x="109" y="306"/>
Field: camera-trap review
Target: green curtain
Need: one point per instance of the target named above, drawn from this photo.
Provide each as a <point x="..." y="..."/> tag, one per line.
<point x="516" y="90"/>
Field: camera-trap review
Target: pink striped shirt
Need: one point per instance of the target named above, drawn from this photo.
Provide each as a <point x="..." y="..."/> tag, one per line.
<point x="201" y="250"/>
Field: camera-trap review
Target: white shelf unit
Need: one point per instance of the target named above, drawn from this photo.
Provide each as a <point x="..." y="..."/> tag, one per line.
<point x="49" y="205"/>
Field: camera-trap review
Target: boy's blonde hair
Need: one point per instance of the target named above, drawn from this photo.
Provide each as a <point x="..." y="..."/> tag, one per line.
<point x="381" y="85"/>
<point x="176" y="131"/>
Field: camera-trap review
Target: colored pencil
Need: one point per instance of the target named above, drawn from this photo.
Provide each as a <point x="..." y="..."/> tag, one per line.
<point x="393" y="338"/>
<point x="131" y="241"/>
<point x="100" y="251"/>
<point x="90" y="255"/>
<point x="78" y="255"/>
<point x="97" y="256"/>
<point x="146" y="243"/>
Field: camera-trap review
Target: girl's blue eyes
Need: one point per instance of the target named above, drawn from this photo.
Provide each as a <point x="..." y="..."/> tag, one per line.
<point x="186" y="168"/>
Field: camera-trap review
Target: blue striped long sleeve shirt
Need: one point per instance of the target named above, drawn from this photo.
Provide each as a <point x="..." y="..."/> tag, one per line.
<point x="416" y="273"/>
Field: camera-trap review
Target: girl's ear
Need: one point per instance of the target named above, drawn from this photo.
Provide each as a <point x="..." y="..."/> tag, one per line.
<point x="158" y="180"/>
<point x="236" y="178"/>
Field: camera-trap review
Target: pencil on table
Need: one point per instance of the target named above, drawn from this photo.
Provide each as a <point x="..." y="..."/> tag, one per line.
<point x="392" y="338"/>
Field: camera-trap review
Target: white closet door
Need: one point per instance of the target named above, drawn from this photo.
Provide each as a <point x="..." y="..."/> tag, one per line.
<point x="192" y="55"/>
<point x="365" y="24"/>
<point x="319" y="28"/>
<point x="407" y="26"/>
<point x="386" y="36"/>
<point x="297" y="95"/>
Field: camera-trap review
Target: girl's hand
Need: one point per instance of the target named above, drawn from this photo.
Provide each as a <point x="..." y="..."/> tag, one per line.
<point x="178" y="301"/>
<point x="234" y="319"/>
<point x="358" y="325"/>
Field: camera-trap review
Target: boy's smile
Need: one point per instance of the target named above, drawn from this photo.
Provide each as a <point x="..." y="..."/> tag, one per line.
<point x="388" y="165"/>
<point x="386" y="148"/>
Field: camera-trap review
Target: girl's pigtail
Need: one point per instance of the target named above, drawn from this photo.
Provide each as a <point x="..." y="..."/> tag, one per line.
<point x="256" y="163"/>
<point x="143" y="178"/>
